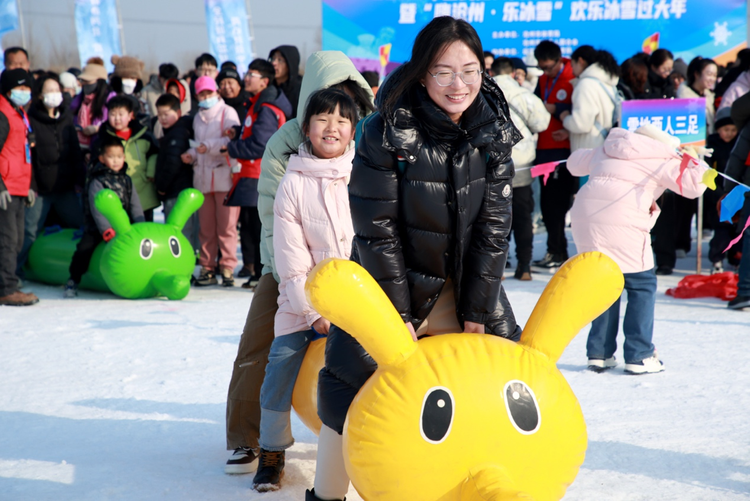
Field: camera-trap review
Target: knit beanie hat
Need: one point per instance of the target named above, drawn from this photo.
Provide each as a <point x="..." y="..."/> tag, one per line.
<point x="656" y="133"/>
<point x="723" y="117"/>
<point x="10" y="79"/>
<point x="680" y="66"/>
<point x="127" y="67"/>
<point x="94" y="70"/>
<point x="229" y="73"/>
<point x="68" y="80"/>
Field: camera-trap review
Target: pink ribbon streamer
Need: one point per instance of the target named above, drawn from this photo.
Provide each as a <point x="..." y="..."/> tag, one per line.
<point x="544" y="170"/>
<point x="686" y="159"/>
<point x="731" y="244"/>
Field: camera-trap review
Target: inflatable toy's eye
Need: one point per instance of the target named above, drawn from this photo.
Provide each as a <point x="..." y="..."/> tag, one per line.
<point x="437" y="414"/>
<point x="174" y="246"/>
<point x="522" y="407"/>
<point x="147" y="248"/>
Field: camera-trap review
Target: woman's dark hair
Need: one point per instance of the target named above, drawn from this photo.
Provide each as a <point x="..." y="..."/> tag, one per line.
<point x="101" y="93"/>
<point x="547" y="50"/>
<point x="635" y="73"/>
<point x="39" y="83"/>
<point x="601" y="57"/>
<point x="355" y="91"/>
<point x="696" y="67"/>
<point x="659" y="57"/>
<point x="326" y="101"/>
<point x="429" y="45"/>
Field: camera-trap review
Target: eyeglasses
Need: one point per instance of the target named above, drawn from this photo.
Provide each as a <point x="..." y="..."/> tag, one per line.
<point x="254" y="75"/>
<point x="548" y="67"/>
<point x="446" y="78"/>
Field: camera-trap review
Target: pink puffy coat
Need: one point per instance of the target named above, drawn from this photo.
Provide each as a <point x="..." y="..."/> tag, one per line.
<point x="212" y="171"/>
<point x="615" y="210"/>
<point x="311" y="222"/>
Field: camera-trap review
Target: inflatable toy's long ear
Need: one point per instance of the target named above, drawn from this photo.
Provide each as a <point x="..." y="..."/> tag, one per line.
<point x="108" y="203"/>
<point x="346" y="295"/>
<point x="188" y="201"/>
<point x="584" y="288"/>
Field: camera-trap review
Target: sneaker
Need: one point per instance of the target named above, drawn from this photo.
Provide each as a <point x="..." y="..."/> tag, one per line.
<point x="19" y="298"/>
<point x="648" y="365"/>
<point x="601" y="364"/>
<point x="244" y="272"/>
<point x="739" y="303"/>
<point x="663" y="270"/>
<point x="717" y="267"/>
<point x="206" y="277"/>
<point x="244" y="460"/>
<point x="227" y="277"/>
<point x="71" y="289"/>
<point x="550" y="261"/>
<point x="270" y="471"/>
<point x="680" y="253"/>
<point x="250" y="284"/>
<point x="523" y="273"/>
<point x="310" y="496"/>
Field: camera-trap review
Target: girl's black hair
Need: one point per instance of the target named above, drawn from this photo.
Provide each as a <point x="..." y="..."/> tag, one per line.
<point x="355" y="91"/>
<point x="696" y="67"/>
<point x="659" y="57"/>
<point x="100" y="98"/>
<point x="326" y="101"/>
<point x="601" y="57"/>
<point x="429" y="45"/>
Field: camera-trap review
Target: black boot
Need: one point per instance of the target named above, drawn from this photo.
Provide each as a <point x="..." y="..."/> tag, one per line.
<point x="310" y="496"/>
<point x="270" y="470"/>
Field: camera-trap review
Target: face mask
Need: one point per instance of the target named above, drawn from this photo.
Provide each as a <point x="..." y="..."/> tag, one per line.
<point x="89" y="88"/>
<point x="128" y="85"/>
<point x="52" y="99"/>
<point x="208" y="103"/>
<point x="20" y="97"/>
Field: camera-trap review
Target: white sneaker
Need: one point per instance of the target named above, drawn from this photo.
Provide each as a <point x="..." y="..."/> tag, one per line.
<point x="244" y="460"/>
<point x="601" y="365"/>
<point x="717" y="267"/>
<point x="649" y="365"/>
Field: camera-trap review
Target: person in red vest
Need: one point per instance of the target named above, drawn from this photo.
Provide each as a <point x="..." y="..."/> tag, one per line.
<point x="16" y="141"/>
<point x="555" y="89"/>
<point x="268" y="109"/>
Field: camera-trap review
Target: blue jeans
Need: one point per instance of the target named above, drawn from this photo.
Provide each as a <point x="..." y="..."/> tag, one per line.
<point x="743" y="285"/>
<point x="638" y="324"/>
<point x="68" y="207"/>
<point x="284" y="362"/>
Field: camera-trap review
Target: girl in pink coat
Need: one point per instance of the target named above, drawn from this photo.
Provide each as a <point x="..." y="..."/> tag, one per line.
<point x="212" y="175"/>
<point x="312" y="222"/>
<point x="613" y="213"/>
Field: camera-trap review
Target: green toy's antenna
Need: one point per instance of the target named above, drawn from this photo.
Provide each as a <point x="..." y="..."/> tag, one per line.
<point x="108" y="203"/>
<point x="188" y="201"/>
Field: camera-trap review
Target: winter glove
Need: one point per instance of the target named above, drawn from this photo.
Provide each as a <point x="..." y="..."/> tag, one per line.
<point x="30" y="199"/>
<point x="108" y="234"/>
<point x="4" y="199"/>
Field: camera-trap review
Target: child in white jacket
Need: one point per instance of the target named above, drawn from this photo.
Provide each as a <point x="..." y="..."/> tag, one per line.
<point x="312" y="222"/>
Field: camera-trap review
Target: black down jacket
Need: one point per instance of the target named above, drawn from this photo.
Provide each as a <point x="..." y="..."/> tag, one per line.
<point x="447" y="214"/>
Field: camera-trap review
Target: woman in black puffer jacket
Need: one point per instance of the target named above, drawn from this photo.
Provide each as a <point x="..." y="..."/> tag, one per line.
<point x="431" y="200"/>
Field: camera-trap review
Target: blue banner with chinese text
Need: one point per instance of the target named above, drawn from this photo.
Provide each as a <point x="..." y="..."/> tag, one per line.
<point x="228" y="32"/>
<point x="98" y="30"/>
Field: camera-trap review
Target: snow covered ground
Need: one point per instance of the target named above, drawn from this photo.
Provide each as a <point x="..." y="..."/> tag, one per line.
<point x="103" y="398"/>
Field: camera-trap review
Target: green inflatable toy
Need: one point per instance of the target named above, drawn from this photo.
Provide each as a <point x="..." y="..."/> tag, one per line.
<point x="142" y="260"/>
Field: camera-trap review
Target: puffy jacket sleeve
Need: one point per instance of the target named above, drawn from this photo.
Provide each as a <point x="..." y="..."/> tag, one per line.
<point x="585" y="108"/>
<point x="151" y="156"/>
<point x="293" y="258"/>
<point x="485" y="263"/>
<point x="736" y="168"/>
<point x="692" y="185"/>
<point x="230" y="119"/>
<point x="252" y="147"/>
<point x="373" y="197"/>
<point x="537" y="117"/>
<point x="272" y="168"/>
<point x="581" y="162"/>
<point x="169" y="161"/>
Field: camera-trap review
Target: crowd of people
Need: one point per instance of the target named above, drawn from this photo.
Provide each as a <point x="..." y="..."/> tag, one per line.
<point x="426" y="199"/>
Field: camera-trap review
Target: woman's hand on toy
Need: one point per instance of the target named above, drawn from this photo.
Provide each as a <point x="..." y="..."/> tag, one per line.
<point x="202" y="149"/>
<point x="473" y="328"/>
<point x="321" y="326"/>
<point x="413" y="333"/>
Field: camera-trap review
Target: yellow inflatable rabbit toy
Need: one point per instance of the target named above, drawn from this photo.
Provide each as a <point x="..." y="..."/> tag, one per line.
<point x="465" y="416"/>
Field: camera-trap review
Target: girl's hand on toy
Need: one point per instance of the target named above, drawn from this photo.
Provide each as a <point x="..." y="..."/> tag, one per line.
<point x="202" y="149"/>
<point x="186" y="158"/>
<point x="474" y="328"/>
<point x="230" y="133"/>
<point x="321" y="326"/>
<point x="413" y="333"/>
